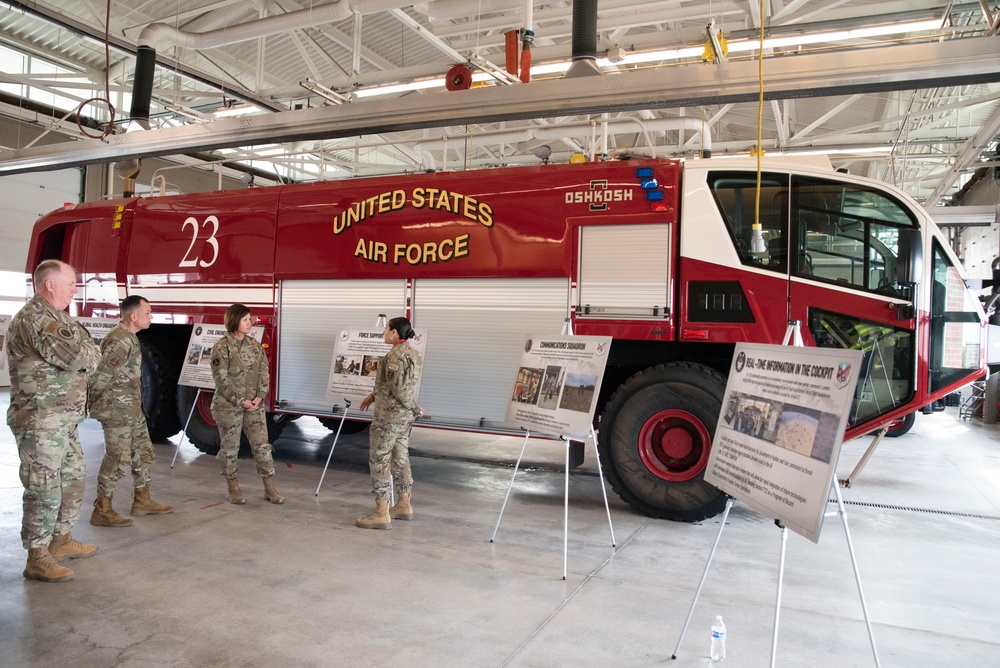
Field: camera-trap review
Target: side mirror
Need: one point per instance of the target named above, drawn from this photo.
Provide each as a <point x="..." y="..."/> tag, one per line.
<point x="910" y="258"/>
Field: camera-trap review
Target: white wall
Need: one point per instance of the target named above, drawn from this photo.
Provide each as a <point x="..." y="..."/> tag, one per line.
<point x="23" y="199"/>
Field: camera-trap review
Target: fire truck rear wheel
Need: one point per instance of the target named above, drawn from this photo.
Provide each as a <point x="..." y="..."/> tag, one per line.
<point x="202" y="430"/>
<point x="159" y="384"/>
<point x="350" y="426"/>
<point x="655" y="436"/>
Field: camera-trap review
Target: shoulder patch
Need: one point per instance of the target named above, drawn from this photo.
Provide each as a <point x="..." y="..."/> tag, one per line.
<point x="64" y="332"/>
<point x="216" y="361"/>
<point x="115" y="361"/>
<point x="392" y="366"/>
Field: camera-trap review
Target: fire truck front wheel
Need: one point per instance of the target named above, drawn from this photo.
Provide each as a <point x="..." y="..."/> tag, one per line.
<point x="159" y="383"/>
<point x="202" y="430"/>
<point x="655" y="436"/>
<point x="902" y="425"/>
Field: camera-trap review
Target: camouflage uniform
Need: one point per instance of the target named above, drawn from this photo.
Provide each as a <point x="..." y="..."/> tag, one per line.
<point x="116" y="401"/>
<point x="50" y="357"/>
<point x="240" y="372"/>
<point x="393" y="416"/>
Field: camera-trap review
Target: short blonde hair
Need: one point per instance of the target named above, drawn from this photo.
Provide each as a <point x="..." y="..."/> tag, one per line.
<point x="46" y="269"/>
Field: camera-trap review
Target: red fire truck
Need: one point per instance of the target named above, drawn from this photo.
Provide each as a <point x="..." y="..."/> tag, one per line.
<point x="669" y="258"/>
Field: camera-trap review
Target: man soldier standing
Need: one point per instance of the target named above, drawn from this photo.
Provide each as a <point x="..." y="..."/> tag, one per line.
<point x="116" y="401"/>
<point x="50" y="357"/>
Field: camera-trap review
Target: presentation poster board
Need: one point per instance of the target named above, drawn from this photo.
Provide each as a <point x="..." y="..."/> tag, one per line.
<point x="197" y="368"/>
<point x="557" y="384"/>
<point x="356" y="358"/>
<point x="99" y="327"/>
<point x="781" y="428"/>
<point x="4" y="371"/>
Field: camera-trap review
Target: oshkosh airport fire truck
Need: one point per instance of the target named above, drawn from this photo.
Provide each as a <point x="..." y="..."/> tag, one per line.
<point x="666" y="257"/>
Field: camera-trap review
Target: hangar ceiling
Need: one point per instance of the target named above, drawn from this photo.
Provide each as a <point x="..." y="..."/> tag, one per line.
<point x="282" y="60"/>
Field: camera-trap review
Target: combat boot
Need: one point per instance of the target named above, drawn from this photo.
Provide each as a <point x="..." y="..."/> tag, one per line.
<point x="143" y="505"/>
<point x="65" y="547"/>
<point x="106" y="516"/>
<point x="379" y="519"/>
<point x="402" y="510"/>
<point x="41" y="566"/>
<point x="270" y="493"/>
<point x="235" y="495"/>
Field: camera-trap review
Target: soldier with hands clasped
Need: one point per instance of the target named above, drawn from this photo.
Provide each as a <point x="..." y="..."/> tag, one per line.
<point x="116" y="401"/>
<point x="395" y="410"/>
<point x="239" y="368"/>
<point x="50" y="357"/>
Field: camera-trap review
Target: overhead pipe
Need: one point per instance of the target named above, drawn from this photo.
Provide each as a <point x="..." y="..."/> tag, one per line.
<point x="584" y="40"/>
<point x="145" y="64"/>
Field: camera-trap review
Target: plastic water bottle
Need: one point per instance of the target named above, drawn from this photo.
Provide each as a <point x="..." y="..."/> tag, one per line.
<point x="718" y="639"/>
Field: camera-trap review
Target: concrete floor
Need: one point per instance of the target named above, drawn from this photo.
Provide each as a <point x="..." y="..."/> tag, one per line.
<point x="298" y="585"/>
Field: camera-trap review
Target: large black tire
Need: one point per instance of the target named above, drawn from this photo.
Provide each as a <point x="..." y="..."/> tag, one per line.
<point x="655" y="436"/>
<point x="159" y="385"/>
<point x="202" y="429"/>
<point x="901" y="426"/>
<point x="350" y="426"/>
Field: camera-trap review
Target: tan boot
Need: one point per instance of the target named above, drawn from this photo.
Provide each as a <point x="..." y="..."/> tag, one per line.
<point x="41" y="566"/>
<point x="105" y="516"/>
<point x="402" y="510"/>
<point x="270" y="493"/>
<point x="65" y="547"/>
<point x="143" y="505"/>
<point x="379" y="519"/>
<point x="235" y="495"/>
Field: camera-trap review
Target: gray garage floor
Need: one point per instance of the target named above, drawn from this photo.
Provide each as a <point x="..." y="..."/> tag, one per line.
<point x="298" y="585"/>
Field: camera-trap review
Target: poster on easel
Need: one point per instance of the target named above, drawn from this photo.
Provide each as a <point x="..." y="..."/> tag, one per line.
<point x="99" y="327"/>
<point x="4" y="371"/>
<point x="557" y="383"/>
<point x="196" y="370"/>
<point x="781" y="428"/>
<point x="356" y="358"/>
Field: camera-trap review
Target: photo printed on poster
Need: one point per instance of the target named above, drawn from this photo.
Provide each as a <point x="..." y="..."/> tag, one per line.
<point x="356" y="358"/>
<point x="780" y="430"/>
<point x="557" y="384"/>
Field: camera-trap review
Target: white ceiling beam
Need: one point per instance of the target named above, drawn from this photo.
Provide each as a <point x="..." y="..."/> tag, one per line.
<point x="820" y="74"/>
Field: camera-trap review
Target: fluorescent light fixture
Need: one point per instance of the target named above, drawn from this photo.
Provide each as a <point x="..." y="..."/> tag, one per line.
<point x="324" y="92"/>
<point x="193" y="114"/>
<point x="240" y="110"/>
<point x="401" y="88"/>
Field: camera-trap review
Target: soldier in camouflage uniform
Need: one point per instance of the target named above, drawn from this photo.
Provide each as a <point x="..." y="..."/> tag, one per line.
<point x="239" y="368"/>
<point x="116" y="401"/>
<point x="395" y="410"/>
<point x="50" y="357"/>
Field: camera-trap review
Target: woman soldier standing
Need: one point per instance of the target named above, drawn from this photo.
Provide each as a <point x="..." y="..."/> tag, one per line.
<point x="239" y="368"/>
<point x="393" y="416"/>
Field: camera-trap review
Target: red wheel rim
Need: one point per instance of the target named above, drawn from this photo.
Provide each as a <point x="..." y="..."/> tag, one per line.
<point x="205" y="408"/>
<point x="674" y="445"/>
<point x="896" y="424"/>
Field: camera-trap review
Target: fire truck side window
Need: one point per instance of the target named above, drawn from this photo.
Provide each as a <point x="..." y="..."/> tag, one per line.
<point x="885" y="379"/>
<point x="955" y="328"/>
<point x="848" y="234"/>
<point x="736" y="194"/>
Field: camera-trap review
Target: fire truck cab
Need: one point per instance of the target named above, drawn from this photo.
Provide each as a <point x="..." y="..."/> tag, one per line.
<point x="670" y="258"/>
